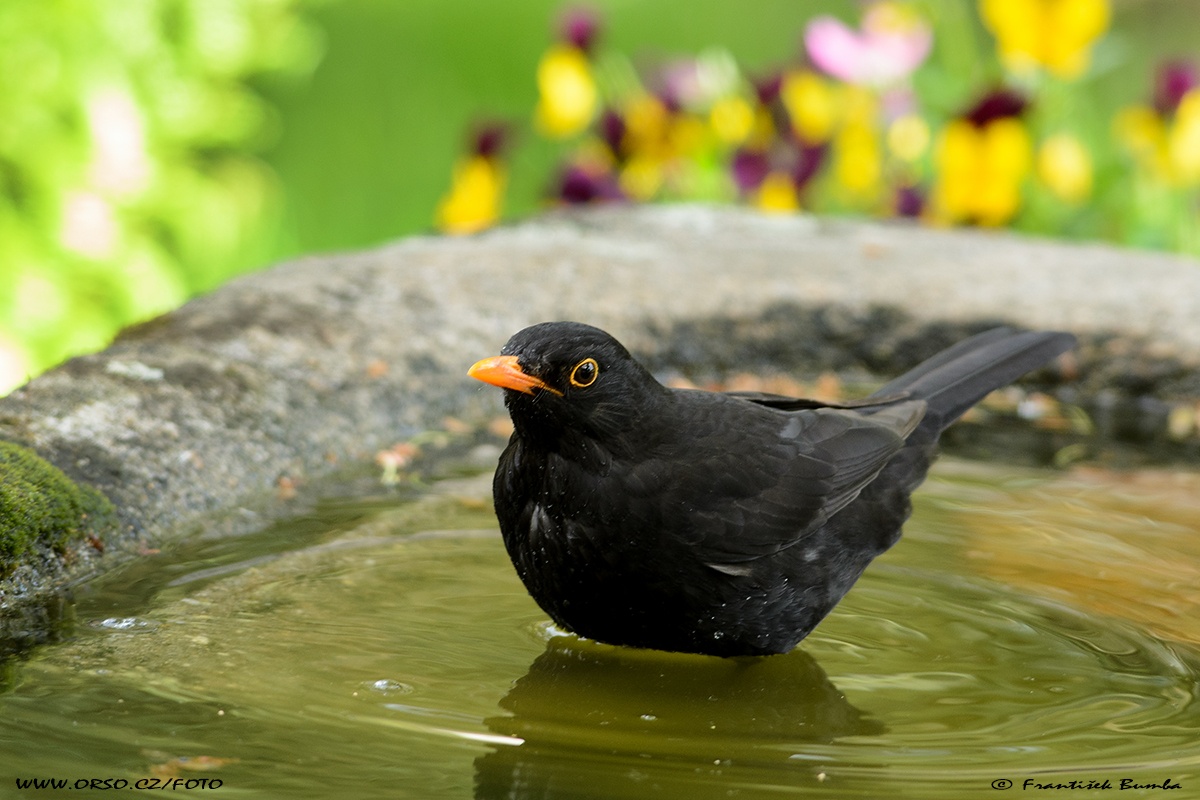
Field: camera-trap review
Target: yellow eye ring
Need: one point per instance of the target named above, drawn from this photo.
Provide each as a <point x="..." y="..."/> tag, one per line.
<point x="585" y="373"/>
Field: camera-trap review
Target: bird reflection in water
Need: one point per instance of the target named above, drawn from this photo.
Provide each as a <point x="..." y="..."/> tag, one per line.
<point x="594" y="720"/>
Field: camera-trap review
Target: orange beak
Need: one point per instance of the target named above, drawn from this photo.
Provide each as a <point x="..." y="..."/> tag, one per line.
<point x="503" y="371"/>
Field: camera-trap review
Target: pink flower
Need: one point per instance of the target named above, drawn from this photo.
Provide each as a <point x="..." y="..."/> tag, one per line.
<point x="892" y="43"/>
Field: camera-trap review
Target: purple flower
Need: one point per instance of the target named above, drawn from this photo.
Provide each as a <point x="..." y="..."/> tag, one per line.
<point x="490" y="139"/>
<point x="680" y="84"/>
<point x="612" y="131"/>
<point x="578" y="185"/>
<point x="996" y="104"/>
<point x="1174" y="80"/>
<point x="908" y="201"/>
<point x="670" y="99"/>
<point x="580" y="27"/>
<point x="750" y="169"/>
<point x="800" y="162"/>
<point x="767" y="89"/>
<point x="809" y="159"/>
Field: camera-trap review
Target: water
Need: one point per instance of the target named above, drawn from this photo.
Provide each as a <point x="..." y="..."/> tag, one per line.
<point x="1030" y="626"/>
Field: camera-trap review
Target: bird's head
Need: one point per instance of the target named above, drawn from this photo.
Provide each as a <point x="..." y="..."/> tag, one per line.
<point x="566" y="379"/>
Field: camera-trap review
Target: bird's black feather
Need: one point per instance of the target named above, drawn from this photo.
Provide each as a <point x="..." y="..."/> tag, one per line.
<point x="728" y="524"/>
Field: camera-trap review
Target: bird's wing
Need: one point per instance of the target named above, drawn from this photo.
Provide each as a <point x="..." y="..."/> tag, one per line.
<point x="786" y="403"/>
<point x="754" y="489"/>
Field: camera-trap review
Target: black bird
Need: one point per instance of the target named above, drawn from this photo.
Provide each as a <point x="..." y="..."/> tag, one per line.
<point x="719" y="523"/>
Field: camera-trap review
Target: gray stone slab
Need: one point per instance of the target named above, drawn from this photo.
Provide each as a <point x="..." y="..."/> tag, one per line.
<point x="299" y="370"/>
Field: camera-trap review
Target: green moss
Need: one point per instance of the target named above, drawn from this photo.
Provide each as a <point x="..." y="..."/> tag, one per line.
<point x="41" y="505"/>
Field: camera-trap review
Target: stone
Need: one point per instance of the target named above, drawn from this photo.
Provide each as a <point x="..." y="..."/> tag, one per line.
<point x="195" y="420"/>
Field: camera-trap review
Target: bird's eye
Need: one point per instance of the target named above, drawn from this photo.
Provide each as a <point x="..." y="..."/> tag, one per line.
<point x="585" y="372"/>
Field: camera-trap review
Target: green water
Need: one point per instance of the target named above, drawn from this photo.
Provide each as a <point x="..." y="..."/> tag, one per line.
<point x="1029" y="626"/>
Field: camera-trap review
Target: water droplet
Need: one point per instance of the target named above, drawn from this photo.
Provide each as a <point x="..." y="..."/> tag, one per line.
<point x="123" y="624"/>
<point x="388" y="686"/>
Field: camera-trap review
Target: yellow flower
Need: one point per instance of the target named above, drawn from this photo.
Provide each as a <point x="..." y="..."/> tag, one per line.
<point x="1183" y="142"/>
<point x="641" y="178"/>
<point x="647" y="123"/>
<point x="1065" y="166"/>
<point x="1140" y="129"/>
<point x="762" y="132"/>
<point x="811" y="104"/>
<point x="777" y="194"/>
<point x="473" y="202"/>
<point x="858" y="163"/>
<point x="980" y="170"/>
<point x="908" y="137"/>
<point x="567" y="96"/>
<point x="686" y="136"/>
<point x="732" y="119"/>
<point x="857" y="155"/>
<point x="1144" y="134"/>
<point x="1168" y="149"/>
<point x="1055" y="34"/>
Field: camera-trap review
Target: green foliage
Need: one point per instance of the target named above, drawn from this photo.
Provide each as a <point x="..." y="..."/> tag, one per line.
<point x="41" y="505"/>
<point x="126" y="175"/>
<point x="135" y="138"/>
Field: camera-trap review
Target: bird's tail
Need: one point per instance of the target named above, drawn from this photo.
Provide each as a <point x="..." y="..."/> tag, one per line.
<point x="958" y="378"/>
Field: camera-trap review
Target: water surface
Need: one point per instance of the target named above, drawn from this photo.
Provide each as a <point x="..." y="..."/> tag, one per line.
<point x="1030" y="626"/>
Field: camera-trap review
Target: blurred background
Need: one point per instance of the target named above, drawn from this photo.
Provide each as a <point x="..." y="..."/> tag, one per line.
<point x="152" y="149"/>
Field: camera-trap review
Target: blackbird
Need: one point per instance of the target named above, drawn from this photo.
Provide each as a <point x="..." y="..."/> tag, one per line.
<point x="720" y="523"/>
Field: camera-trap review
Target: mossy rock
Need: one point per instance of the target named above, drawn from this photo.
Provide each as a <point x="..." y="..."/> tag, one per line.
<point x="39" y="505"/>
